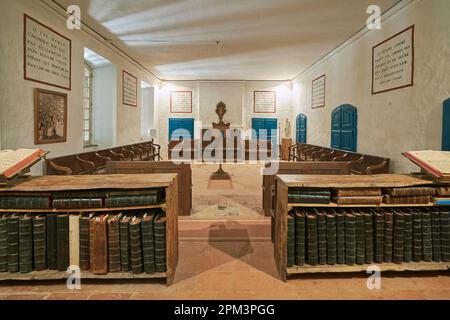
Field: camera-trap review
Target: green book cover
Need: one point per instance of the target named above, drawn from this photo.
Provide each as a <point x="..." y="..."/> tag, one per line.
<point x="148" y="243"/>
<point x="13" y="244"/>
<point x="26" y="244"/>
<point x="291" y="240"/>
<point x="3" y="244"/>
<point x="300" y="238"/>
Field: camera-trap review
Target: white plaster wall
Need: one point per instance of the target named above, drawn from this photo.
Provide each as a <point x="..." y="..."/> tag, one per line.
<point x="393" y="122"/>
<point x="104" y="110"/>
<point x="147" y="111"/>
<point x="16" y="94"/>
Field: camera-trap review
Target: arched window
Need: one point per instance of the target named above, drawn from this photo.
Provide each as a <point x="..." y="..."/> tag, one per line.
<point x="301" y="128"/>
<point x="344" y="128"/>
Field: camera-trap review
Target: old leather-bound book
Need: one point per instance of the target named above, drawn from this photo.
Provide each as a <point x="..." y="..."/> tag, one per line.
<point x="23" y="202"/>
<point x="114" y="243"/>
<point x="40" y="242"/>
<point x="388" y="236"/>
<point x="74" y="240"/>
<point x="77" y="203"/>
<point x="445" y="234"/>
<point x="131" y="201"/>
<point x="411" y="191"/>
<point x="26" y="244"/>
<point x="3" y="244"/>
<point x="99" y="245"/>
<point x="137" y="265"/>
<point x="408" y="237"/>
<point x="13" y="244"/>
<point x="52" y="259"/>
<point x="379" y="236"/>
<point x="84" y="241"/>
<point x="322" y="236"/>
<point x="399" y="231"/>
<point x="312" y="239"/>
<point x="368" y="237"/>
<point x="360" y="245"/>
<point x="407" y="200"/>
<point x="350" y="239"/>
<point x="443" y="192"/>
<point x="331" y="239"/>
<point x="159" y="229"/>
<point x="125" y="243"/>
<point x="340" y="236"/>
<point x="358" y="192"/>
<point x="427" y="237"/>
<point x="62" y="240"/>
<point x="417" y="236"/>
<point x="148" y="243"/>
<point x="366" y="200"/>
<point x="290" y="240"/>
<point x="300" y="238"/>
<point x="436" y="232"/>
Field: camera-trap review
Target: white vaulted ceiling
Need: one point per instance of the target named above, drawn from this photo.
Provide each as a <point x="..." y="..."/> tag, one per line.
<point x="257" y="39"/>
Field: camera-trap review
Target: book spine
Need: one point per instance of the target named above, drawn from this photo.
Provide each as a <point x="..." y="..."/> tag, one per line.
<point x="311" y="192"/>
<point x="350" y="239"/>
<point x="13" y="244"/>
<point x="25" y="244"/>
<point x="340" y="238"/>
<point x="322" y="237"/>
<point x="379" y="237"/>
<point x="427" y="237"/>
<point x="300" y="239"/>
<point x="74" y="240"/>
<point x="436" y="233"/>
<point x="99" y="262"/>
<point x="417" y="237"/>
<point x="360" y="244"/>
<point x="368" y="238"/>
<point x="359" y="192"/>
<point x="160" y="244"/>
<point x="399" y="232"/>
<point x="128" y="193"/>
<point x="408" y="238"/>
<point x="40" y="243"/>
<point x="3" y="244"/>
<point x="312" y="239"/>
<point x="136" y="248"/>
<point x="24" y="202"/>
<point x="51" y="242"/>
<point x="84" y="244"/>
<point x="407" y="200"/>
<point x="62" y="240"/>
<point x="148" y="246"/>
<point x="388" y="236"/>
<point x="290" y="241"/>
<point x="114" y="246"/>
<point x="445" y="235"/>
<point x="124" y="246"/>
<point x="79" y="195"/>
<point x="359" y="200"/>
<point x="70" y="204"/>
<point x="331" y="240"/>
<point x="298" y="198"/>
<point x="411" y="192"/>
<point x="131" y="201"/>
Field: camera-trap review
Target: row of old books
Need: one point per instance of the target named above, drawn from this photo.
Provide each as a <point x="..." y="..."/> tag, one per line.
<point x="100" y="243"/>
<point x="74" y="200"/>
<point x="368" y="196"/>
<point x="366" y="236"/>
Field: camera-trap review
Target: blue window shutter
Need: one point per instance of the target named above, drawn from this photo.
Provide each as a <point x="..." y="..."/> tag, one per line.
<point x="185" y="127"/>
<point x="446" y="126"/>
<point x="301" y="129"/>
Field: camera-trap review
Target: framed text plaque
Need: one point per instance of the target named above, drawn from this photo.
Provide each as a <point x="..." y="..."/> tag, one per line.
<point x="46" y="55"/>
<point x="393" y="62"/>
<point x="181" y="102"/>
<point x="318" y="92"/>
<point x="129" y="89"/>
<point x="265" y="102"/>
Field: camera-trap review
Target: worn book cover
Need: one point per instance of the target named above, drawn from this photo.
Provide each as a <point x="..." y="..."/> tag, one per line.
<point x="357" y="192"/>
<point x="74" y="240"/>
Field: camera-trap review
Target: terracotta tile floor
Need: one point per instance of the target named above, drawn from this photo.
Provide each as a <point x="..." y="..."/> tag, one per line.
<point x="237" y="270"/>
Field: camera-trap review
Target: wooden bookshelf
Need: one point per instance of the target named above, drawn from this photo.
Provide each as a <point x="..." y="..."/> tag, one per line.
<point x="104" y="182"/>
<point x="284" y="182"/>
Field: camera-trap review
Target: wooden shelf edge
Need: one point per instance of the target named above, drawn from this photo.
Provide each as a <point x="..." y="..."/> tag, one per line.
<point x="383" y="205"/>
<point x="162" y="206"/>
<point x="60" y="275"/>
<point x="407" y="266"/>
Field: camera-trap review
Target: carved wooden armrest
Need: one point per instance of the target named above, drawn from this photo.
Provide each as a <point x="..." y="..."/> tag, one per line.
<point x="89" y="164"/>
<point x="316" y="155"/>
<point x="64" y="170"/>
<point x="117" y="156"/>
<point x="374" y="168"/>
<point x="325" y="156"/>
<point x="341" y="158"/>
<point x="102" y="158"/>
<point x="137" y="152"/>
<point x="359" y="161"/>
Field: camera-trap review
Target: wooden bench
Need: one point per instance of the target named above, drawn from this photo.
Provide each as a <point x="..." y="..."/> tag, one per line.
<point x="139" y="167"/>
<point x="363" y="164"/>
<point x="317" y="168"/>
<point x="94" y="162"/>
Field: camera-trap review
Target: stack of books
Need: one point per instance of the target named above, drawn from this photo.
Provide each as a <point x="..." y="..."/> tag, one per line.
<point x="361" y="196"/>
<point x="309" y="195"/>
<point x="364" y="236"/>
<point x="412" y="195"/>
<point x="100" y="243"/>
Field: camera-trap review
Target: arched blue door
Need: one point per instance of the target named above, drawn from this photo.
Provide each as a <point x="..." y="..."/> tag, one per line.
<point x="446" y="126"/>
<point x="344" y="128"/>
<point x="301" y="128"/>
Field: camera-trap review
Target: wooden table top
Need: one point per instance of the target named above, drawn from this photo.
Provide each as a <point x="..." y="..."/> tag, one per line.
<point x="352" y="181"/>
<point x="91" y="182"/>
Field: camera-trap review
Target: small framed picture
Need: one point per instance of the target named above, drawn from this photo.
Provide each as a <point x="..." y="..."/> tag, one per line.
<point x="50" y="117"/>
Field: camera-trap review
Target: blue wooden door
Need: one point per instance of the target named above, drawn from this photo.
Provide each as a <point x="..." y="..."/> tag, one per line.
<point x="301" y="128"/>
<point x="446" y="126"/>
<point x="181" y="128"/>
<point x="265" y="129"/>
<point x="344" y="128"/>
